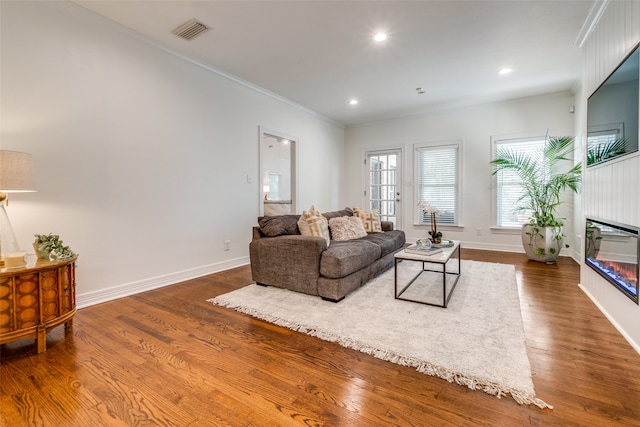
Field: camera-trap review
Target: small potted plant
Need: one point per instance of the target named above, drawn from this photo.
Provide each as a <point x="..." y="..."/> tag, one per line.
<point x="49" y="246"/>
<point x="433" y="212"/>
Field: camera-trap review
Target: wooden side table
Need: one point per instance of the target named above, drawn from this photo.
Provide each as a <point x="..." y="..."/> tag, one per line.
<point x="36" y="298"/>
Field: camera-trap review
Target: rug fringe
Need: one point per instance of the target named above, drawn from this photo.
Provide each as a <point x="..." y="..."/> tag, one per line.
<point x="472" y="383"/>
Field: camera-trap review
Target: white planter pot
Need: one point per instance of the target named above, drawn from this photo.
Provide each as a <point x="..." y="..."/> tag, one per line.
<point x="542" y="243"/>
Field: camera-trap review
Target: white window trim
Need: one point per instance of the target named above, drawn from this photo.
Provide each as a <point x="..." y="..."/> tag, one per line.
<point x="458" y="144"/>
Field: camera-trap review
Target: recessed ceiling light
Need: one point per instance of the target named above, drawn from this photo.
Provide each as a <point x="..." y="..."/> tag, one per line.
<point x="380" y="37"/>
<point x="353" y="102"/>
<point x="505" y="71"/>
<point x="419" y="90"/>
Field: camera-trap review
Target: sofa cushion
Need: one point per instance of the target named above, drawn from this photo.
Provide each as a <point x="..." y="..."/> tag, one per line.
<point x="346" y="228"/>
<point x="272" y="226"/>
<point x="344" y="258"/>
<point x="371" y="220"/>
<point x="388" y="242"/>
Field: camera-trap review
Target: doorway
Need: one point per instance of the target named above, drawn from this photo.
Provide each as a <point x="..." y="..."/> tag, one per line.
<point x="278" y="181"/>
<point x="383" y="170"/>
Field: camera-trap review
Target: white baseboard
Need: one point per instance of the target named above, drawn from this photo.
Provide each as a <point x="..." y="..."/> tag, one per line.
<point x="96" y="297"/>
<point x="492" y="247"/>
<point x="635" y="345"/>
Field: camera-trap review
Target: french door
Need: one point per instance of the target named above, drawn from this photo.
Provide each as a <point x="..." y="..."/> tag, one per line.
<point x="383" y="190"/>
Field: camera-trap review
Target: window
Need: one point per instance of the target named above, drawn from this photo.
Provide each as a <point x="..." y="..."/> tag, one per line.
<point x="438" y="182"/>
<point x="274" y="186"/>
<point x="601" y="135"/>
<point x="508" y="189"/>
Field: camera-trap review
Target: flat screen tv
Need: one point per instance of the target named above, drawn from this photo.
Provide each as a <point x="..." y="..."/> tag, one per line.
<point x="612" y="113"/>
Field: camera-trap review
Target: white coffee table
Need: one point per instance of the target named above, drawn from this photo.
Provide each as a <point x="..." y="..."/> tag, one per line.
<point x="431" y="261"/>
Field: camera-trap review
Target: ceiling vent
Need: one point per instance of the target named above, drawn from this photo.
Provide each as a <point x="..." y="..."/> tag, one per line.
<point x="190" y="29"/>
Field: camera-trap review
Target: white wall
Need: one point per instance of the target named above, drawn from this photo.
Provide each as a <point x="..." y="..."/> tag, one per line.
<point x="611" y="190"/>
<point x="474" y="126"/>
<point x="141" y="158"/>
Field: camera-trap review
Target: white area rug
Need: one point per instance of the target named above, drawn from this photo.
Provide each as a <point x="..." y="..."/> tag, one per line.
<point x="477" y="341"/>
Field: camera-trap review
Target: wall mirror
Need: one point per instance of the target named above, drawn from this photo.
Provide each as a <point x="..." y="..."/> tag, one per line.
<point x="612" y="116"/>
<point x="278" y="186"/>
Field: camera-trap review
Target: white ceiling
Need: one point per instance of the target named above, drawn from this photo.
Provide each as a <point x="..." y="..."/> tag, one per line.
<point x="319" y="54"/>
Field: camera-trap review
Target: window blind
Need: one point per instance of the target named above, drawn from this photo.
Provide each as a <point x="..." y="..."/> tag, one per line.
<point x="508" y="185"/>
<point x="438" y="182"/>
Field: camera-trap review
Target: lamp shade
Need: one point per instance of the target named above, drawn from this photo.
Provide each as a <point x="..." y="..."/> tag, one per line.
<point x="15" y="172"/>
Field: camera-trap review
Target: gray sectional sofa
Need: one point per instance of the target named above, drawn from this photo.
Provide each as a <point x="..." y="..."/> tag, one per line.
<point x="282" y="257"/>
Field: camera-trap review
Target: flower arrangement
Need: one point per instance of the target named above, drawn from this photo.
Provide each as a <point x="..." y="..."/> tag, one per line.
<point x="433" y="212"/>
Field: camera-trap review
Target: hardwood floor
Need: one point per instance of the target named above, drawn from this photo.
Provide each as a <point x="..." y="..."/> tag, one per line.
<point x="168" y="357"/>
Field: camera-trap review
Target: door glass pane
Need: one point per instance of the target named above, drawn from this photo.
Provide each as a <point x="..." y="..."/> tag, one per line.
<point x="382" y="184"/>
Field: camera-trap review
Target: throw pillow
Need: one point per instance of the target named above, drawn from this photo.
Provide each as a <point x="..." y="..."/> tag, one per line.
<point x="371" y="220"/>
<point x="303" y="226"/>
<point x="346" y="228"/>
<point x="312" y="223"/>
<point x="272" y="226"/>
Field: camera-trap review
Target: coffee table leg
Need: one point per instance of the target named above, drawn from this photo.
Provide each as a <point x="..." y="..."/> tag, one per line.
<point x="395" y="277"/>
<point x="444" y="285"/>
<point x="455" y="282"/>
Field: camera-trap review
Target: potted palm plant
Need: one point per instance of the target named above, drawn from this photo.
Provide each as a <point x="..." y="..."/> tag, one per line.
<point x="543" y="181"/>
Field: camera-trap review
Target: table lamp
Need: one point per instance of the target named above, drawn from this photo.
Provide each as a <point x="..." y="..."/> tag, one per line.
<point x="15" y="177"/>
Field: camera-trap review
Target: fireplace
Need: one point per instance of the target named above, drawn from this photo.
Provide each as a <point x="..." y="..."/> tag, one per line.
<point x="612" y="250"/>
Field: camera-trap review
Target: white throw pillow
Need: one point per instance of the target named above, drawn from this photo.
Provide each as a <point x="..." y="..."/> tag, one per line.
<point x="346" y="228"/>
<point x="312" y="223"/>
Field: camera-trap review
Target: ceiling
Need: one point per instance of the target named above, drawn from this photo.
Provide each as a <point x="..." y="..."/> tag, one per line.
<point x="320" y="54"/>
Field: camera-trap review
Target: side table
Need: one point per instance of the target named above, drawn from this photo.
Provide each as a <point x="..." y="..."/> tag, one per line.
<point x="36" y="298"/>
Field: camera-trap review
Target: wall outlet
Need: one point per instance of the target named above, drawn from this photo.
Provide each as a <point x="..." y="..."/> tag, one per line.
<point x="227" y="245"/>
<point x="478" y="231"/>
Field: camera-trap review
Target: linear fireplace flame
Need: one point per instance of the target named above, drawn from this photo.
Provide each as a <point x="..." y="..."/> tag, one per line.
<point x="612" y="250"/>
